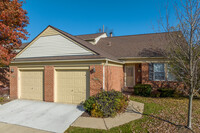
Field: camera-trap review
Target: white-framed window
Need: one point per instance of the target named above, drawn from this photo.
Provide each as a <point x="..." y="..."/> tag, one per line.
<point x="160" y="72"/>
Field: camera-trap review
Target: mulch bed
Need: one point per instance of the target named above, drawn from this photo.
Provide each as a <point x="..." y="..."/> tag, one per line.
<point x="85" y="114"/>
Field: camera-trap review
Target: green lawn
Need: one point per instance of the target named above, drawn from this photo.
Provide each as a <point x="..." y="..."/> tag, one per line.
<point x="160" y="115"/>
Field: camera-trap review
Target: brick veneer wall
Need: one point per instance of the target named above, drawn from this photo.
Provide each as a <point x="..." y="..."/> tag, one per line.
<point x="49" y="83"/>
<point x="13" y="82"/>
<point x="114" y="78"/>
<point x="96" y="79"/>
<point x="159" y="84"/>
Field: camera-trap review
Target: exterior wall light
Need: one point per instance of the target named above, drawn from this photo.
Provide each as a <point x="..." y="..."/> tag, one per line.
<point x="93" y="70"/>
<point x="12" y="70"/>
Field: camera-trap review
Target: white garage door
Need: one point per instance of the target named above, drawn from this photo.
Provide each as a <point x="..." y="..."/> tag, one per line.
<point x="31" y="84"/>
<point x="72" y="86"/>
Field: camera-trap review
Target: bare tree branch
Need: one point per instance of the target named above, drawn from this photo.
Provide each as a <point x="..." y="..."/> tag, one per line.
<point x="183" y="50"/>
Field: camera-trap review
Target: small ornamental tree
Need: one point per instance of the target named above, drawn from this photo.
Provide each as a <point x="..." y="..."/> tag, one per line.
<point x="184" y="47"/>
<point x="13" y="20"/>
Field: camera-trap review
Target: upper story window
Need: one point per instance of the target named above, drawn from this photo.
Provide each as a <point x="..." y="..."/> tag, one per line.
<point x="160" y="72"/>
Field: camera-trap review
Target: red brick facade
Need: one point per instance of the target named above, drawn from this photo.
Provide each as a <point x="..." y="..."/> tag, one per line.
<point x="13" y="82"/>
<point x="114" y="79"/>
<point x="96" y="79"/>
<point x="158" y="84"/>
<point x="49" y="83"/>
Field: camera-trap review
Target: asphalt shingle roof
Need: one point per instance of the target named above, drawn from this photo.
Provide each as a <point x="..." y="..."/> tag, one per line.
<point x="118" y="47"/>
<point x="145" y="45"/>
<point x="89" y="36"/>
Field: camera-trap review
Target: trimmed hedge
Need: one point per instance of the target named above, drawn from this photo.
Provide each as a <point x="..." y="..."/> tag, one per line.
<point x="142" y="90"/>
<point x="106" y="104"/>
<point x="155" y="93"/>
<point x="166" y="92"/>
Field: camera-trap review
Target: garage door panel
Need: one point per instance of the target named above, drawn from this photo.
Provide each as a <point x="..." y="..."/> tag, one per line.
<point x="72" y="86"/>
<point x="31" y="84"/>
<point x="78" y="97"/>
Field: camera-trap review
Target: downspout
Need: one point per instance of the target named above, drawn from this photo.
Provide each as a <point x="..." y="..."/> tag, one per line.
<point x="125" y="76"/>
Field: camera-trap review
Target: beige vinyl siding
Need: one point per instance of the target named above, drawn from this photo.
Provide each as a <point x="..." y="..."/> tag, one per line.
<point x="31" y="84"/>
<point x="49" y="31"/>
<point x="55" y="45"/>
<point x="72" y="86"/>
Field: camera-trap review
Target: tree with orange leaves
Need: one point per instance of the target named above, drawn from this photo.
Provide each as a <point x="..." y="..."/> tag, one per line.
<point x="13" y="20"/>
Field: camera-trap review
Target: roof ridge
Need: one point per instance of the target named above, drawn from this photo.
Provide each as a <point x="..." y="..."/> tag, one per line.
<point x="141" y="34"/>
<point x="90" y="34"/>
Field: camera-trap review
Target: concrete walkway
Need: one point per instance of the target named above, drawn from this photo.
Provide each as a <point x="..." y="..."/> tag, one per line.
<point x="134" y="111"/>
<point x="11" y="128"/>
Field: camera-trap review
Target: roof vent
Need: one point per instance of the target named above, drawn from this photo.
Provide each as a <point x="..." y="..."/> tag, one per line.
<point x="111" y="34"/>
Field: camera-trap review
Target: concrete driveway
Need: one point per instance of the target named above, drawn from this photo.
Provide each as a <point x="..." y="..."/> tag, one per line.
<point x="47" y="116"/>
<point x="11" y="128"/>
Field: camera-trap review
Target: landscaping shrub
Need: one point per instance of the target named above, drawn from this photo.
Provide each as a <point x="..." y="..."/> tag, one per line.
<point x="155" y="94"/>
<point x="96" y="112"/>
<point x="1" y="99"/>
<point x="166" y="92"/>
<point x="177" y="95"/>
<point x="105" y="104"/>
<point x="88" y="104"/>
<point x="142" y="90"/>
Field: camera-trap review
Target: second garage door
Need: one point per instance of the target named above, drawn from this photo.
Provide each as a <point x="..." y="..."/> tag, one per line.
<point x="31" y="84"/>
<point x="72" y="86"/>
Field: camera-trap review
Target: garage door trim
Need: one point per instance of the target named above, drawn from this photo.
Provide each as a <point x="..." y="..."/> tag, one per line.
<point x="71" y="68"/>
<point x="68" y="68"/>
<point x="19" y="77"/>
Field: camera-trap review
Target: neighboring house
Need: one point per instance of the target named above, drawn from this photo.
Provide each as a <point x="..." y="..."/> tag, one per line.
<point x="17" y="50"/>
<point x="59" y="67"/>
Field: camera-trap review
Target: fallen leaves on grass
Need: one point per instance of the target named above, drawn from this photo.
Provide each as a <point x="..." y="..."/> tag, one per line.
<point x="167" y="115"/>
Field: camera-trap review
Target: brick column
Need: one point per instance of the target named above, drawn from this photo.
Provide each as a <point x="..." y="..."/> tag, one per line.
<point x="145" y="73"/>
<point x="49" y="83"/>
<point x="14" y="82"/>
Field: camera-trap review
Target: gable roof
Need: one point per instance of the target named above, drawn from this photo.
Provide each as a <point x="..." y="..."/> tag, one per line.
<point x="115" y="48"/>
<point x="89" y="36"/>
<point x="86" y="44"/>
<point x="144" y="45"/>
<point x="99" y="52"/>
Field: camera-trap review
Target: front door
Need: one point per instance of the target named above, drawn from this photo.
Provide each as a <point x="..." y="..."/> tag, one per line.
<point x="130" y="80"/>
